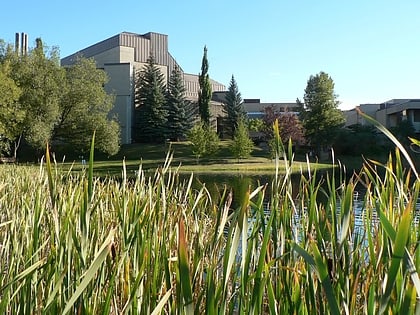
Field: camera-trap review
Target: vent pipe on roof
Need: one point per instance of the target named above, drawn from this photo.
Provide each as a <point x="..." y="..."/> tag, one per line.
<point x="24" y="45"/>
<point x="17" y="42"/>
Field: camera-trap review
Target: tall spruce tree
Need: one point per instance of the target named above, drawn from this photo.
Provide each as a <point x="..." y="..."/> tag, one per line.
<point x="181" y="112"/>
<point x="233" y="107"/>
<point x="151" y="114"/>
<point x="204" y="95"/>
<point x="321" y="117"/>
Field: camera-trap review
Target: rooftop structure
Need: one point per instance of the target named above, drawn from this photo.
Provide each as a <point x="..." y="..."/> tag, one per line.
<point x="121" y="56"/>
<point x="389" y="113"/>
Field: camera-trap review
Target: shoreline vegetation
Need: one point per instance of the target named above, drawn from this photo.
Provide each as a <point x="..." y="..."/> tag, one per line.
<point x="72" y="242"/>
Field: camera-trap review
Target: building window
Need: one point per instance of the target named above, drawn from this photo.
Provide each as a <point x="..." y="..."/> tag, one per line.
<point x="416" y="115"/>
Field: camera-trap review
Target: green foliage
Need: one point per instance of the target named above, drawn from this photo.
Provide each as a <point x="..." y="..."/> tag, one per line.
<point x="359" y="140"/>
<point x="42" y="82"/>
<point x="255" y="124"/>
<point x="84" y="108"/>
<point x="181" y="112"/>
<point x="204" y="95"/>
<point x="204" y="140"/>
<point x="403" y="131"/>
<point x="151" y="113"/>
<point x="242" y="143"/>
<point x="321" y="116"/>
<point x="55" y="105"/>
<point x="11" y="113"/>
<point x="233" y="107"/>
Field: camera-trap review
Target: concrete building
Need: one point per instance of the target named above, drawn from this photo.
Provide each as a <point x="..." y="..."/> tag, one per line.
<point x="389" y="113"/>
<point x="121" y="56"/>
<point x="255" y="109"/>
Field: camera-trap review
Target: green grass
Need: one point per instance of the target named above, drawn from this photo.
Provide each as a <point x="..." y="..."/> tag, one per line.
<point x="151" y="156"/>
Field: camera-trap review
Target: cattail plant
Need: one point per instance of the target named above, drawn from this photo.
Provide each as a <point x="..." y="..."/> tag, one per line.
<point x="158" y="244"/>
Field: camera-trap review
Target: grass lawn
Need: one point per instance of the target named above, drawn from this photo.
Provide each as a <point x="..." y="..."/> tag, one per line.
<point x="151" y="156"/>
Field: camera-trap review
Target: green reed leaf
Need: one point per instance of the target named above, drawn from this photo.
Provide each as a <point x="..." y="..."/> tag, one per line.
<point x="49" y="174"/>
<point x="184" y="269"/>
<point x="90" y="274"/>
<point x="90" y="171"/>
<point x="398" y="251"/>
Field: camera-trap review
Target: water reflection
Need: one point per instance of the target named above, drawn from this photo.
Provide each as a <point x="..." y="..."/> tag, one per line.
<point x="238" y="183"/>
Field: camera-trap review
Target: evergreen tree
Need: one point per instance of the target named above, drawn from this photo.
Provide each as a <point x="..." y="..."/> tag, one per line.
<point x="321" y="117"/>
<point x="204" y="95"/>
<point x="233" y="107"/>
<point x="150" y="101"/>
<point x="181" y="112"/>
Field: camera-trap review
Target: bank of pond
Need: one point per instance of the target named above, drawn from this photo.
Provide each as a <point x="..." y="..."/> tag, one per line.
<point x="169" y="243"/>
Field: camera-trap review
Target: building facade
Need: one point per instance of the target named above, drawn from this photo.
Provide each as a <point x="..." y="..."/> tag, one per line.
<point x="121" y="56"/>
<point x="389" y="113"/>
<point x="254" y="108"/>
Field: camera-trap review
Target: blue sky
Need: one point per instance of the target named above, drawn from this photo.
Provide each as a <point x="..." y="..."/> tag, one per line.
<point x="370" y="48"/>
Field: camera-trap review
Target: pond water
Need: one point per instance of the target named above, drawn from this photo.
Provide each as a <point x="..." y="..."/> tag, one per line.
<point x="216" y="184"/>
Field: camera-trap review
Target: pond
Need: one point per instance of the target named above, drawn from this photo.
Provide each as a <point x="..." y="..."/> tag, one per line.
<point x="216" y="184"/>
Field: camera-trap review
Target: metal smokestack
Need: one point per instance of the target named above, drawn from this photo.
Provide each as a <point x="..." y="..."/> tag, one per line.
<point x="24" y="41"/>
<point x="17" y="42"/>
<point x="22" y="45"/>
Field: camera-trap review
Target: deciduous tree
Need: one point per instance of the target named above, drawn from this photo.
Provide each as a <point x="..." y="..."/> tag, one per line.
<point x="42" y="82"/>
<point x="85" y="107"/>
<point x="290" y="126"/>
<point x="242" y="143"/>
<point x="321" y="117"/>
<point x="56" y="104"/>
<point x="11" y="112"/>
<point x="204" y="140"/>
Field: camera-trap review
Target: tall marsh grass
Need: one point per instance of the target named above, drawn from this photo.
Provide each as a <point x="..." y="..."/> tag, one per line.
<point x="156" y="245"/>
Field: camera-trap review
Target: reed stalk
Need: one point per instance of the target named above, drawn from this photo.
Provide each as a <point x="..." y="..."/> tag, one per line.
<point x="157" y="244"/>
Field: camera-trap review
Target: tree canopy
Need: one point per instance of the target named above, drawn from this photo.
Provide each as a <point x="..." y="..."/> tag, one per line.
<point x="11" y="111"/>
<point x="85" y="107"/>
<point x="320" y="114"/>
<point x="290" y="127"/>
<point x="204" y="140"/>
<point x="204" y="95"/>
<point x="47" y="103"/>
<point x="242" y="144"/>
<point x="233" y="107"/>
